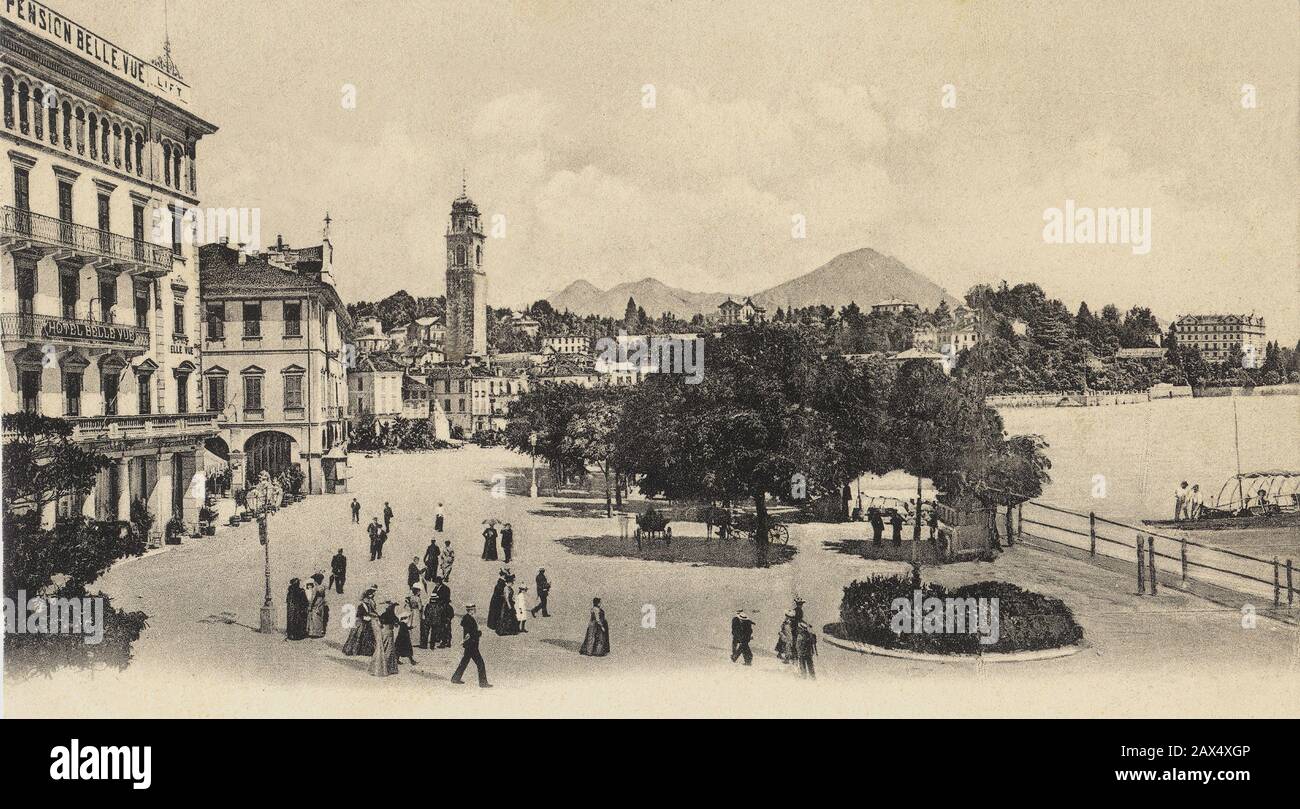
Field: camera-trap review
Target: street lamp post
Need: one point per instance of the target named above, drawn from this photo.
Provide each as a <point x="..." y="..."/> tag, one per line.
<point x="260" y="500"/>
<point x="532" y="444"/>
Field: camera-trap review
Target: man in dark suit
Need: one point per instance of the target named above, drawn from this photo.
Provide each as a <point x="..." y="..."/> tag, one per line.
<point x="388" y="516"/>
<point x="431" y="555"/>
<point x="543" y="588"/>
<point x="742" y="632"/>
<point x="338" y="570"/>
<point x="469" y="627"/>
<point x="507" y="540"/>
<point x="356" y="511"/>
<point x="896" y="524"/>
<point x="877" y="524"/>
<point x="373" y="530"/>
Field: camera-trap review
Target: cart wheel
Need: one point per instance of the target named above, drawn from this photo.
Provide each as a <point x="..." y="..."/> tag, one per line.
<point x="781" y="535"/>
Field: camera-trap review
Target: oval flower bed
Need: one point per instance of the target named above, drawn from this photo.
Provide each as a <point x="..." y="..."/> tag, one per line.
<point x="890" y="613"/>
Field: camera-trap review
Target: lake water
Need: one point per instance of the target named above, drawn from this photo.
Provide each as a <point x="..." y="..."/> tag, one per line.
<point x="1142" y="451"/>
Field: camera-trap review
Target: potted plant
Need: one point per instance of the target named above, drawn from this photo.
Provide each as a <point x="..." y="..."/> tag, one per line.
<point x="175" y="527"/>
<point x="207" y="521"/>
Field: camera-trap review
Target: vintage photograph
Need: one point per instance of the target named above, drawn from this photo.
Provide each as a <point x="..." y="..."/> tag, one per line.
<point x="562" y="358"/>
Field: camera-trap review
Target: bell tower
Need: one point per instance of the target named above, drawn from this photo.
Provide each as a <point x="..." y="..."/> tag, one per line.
<point x="466" y="281"/>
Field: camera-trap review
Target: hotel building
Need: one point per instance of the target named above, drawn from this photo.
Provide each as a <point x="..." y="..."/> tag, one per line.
<point x="99" y="311"/>
<point x="1222" y="338"/>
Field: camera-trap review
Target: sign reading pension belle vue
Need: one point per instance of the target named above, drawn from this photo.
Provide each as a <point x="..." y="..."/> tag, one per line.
<point x="49" y="24"/>
<point x="98" y="332"/>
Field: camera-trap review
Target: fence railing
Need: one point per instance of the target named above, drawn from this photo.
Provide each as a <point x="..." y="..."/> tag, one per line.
<point x="1156" y="553"/>
<point x="22" y="326"/>
<point x="84" y="240"/>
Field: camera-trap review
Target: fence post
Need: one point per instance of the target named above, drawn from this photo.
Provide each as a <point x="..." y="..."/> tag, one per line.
<point x="1142" y="569"/>
<point x="1020" y="518"/>
<point x="1290" y="589"/>
<point x="1151" y="561"/>
<point x="1010" y="534"/>
<point x="1092" y="533"/>
<point x="1183" y="543"/>
<point x="1277" y="584"/>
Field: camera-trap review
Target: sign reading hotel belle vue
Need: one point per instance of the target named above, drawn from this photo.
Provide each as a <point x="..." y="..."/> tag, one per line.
<point x="49" y="24"/>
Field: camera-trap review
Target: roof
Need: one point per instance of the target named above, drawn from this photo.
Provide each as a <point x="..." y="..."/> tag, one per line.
<point x="729" y="304"/>
<point x="220" y="273"/>
<point x="378" y="363"/>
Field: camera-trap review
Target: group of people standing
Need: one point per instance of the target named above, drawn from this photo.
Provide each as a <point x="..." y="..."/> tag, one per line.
<point x="1189" y="502"/>
<point x="508" y="609"/>
<point x="307" y="612"/>
<point x="490" y="534"/>
<point x="796" y="642"/>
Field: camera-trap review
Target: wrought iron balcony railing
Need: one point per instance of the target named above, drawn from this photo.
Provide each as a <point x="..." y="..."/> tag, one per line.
<point x="75" y="331"/>
<point x="20" y="225"/>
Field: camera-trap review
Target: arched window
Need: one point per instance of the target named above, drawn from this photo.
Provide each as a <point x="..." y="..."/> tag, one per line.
<point x="9" y="102"/>
<point x="94" y="136"/>
<point x="167" y="164"/>
<point x="117" y="145"/>
<point x="81" y="130"/>
<point x="67" y="125"/>
<point x="24" y="98"/>
<point x="104" y="132"/>
<point x="38" y="116"/>
<point x="128" y="137"/>
<point x="478" y="255"/>
<point x="176" y="167"/>
<point x="460" y="254"/>
<point x="52" y="116"/>
<point x="139" y="154"/>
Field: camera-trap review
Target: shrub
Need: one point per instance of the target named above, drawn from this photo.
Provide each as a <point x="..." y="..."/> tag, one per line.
<point x="1026" y="620"/>
<point x="141" y="517"/>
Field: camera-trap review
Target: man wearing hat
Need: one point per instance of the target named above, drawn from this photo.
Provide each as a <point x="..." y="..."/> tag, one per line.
<point x="469" y="627"/>
<point x="742" y="632"/>
<point x="543" y="589"/>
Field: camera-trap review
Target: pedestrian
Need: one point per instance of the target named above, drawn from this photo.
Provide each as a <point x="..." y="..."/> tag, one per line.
<point x="785" y="638"/>
<point x="490" y="543"/>
<point x="521" y="609"/>
<point x="356" y="511"/>
<point x="413" y="572"/>
<point x="896" y="525"/>
<point x="415" y="606"/>
<point x="388" y="516"/>
<point x="543" y="590"/>
<point x="877" y="524"/>
<point x="596" y="643"/>
<point x="469" y="629"/>
<point x="933" y="520"/>
<point x="444" y="564"/>
<point x="361" y="637"/>
<point x="1197" y="502"/>
<point x="1180" y="502"/>
<point x="497" y="603"/>
<point x="318" y="609"/>
<point x="431" y="555"/>
<point x="805" y="648"/>
<point x="402" y="647"/>
<point x="383" y="662"/>
<point x="742" y="632"/>
<point x="383" y="537"/>
<point x="507" y="541"/>
<point x="437" y="519"/>
<point x="373" y="530"/>
<point x="338" y="571"/>
<point x="295" y="611"/>
<point x="440" y="635"/>
<point x="507" y="623"/>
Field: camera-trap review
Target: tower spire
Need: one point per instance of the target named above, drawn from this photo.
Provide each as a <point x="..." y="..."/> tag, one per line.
<point x="464" y="185"/>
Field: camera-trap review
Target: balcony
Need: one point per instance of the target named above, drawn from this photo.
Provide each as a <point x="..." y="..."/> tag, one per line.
<point x="72" y="331"/>
<point x="24" y="230"/>
<point x="160" y="425"/>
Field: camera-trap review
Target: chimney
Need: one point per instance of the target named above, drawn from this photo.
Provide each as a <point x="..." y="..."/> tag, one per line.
<point x="243" y="253"/>
<point x="224" y="241"/>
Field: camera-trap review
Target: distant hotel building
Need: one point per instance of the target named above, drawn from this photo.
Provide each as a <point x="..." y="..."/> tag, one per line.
<point x="274" y="366"/>
<point x="895" y="306"/>
<point x="566" y="344"/>
<point x="99" y="321"/>
<point x="1222" y="338"/>
<point x="948" y="340"/>
<point x="731" y="312"/>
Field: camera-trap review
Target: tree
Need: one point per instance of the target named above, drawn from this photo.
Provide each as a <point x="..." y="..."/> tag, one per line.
<point x="630" y="316"/>
<point x="546" y="412"/>
<point x="42" y="465"/>
<point x="772" y="416"/>
<point x="591" y="435"/>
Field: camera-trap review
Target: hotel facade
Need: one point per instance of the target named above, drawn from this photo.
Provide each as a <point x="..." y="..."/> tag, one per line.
<point x="99" y="315"/>
<point x="1223" y="338"/>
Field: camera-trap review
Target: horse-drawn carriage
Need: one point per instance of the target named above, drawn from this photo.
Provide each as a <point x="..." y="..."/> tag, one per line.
<point x="652" y="524"/>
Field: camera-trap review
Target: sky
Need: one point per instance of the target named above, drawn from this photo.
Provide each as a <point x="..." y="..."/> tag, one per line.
<point x="686" y="141"/>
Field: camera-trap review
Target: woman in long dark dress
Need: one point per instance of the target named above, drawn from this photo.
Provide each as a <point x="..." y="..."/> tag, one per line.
<point x="490" y="543"/>
<point x="295" y="611"/>
<point x="507" y="624"/>
<point x="596" y="644"/>
<point x="402" y="646"/>
<point x="361" y="638"/>
<point x="496" y="606"/>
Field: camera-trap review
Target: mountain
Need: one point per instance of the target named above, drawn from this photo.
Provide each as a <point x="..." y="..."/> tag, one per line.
<point x="650" y="294"/>
<point x="864" y="276"/>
